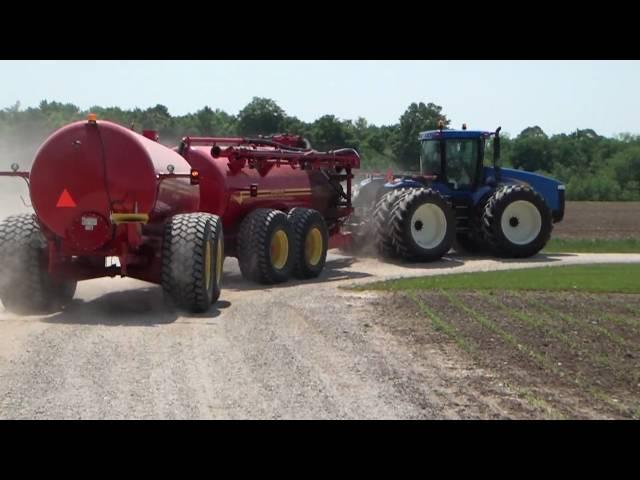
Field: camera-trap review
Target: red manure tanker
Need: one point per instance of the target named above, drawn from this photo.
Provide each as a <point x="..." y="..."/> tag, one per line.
<point x="101" y="191"/>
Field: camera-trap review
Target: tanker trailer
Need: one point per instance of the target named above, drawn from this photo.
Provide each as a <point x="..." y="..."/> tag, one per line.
<point x="282" y="204"/>
<point x="100" y="192"/>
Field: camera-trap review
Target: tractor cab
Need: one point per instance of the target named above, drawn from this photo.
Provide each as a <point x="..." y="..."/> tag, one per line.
<point x="455" y="158"/>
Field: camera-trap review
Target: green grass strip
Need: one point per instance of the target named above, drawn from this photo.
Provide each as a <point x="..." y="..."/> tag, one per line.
<point x="605" y="278"/>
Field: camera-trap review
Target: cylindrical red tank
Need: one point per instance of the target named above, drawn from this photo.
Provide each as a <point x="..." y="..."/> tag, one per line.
<point x="88" y="170"/>
<point x="228" y="193"/>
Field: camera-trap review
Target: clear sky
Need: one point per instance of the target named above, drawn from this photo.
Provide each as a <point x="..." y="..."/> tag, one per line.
<point x="559" y="96"/>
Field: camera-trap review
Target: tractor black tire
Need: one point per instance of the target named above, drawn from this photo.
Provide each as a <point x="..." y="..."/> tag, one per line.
<point x="192" y="259"/>
<point x="310" y="242"/>
<point x="26" y="288"/>
<point x="504" y="240"/>
<point x="257" y="233"/>
<point x="440" y="220"/>
<point x="474" y="241"/>
<point x="382" y="230"/>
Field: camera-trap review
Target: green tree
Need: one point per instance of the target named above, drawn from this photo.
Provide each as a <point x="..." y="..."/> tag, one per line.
<point x="295" y="126"/>
<point x="417" y="118"/>
<point x="626" y="171"/>
<point x="593" y="167"/>
<point x="531" y="150"/>
<point x="157" y="118"/>
<point x="213" y="122"/>
<point x="328" y="132"/>
<point x="261" y="116"/>
<point x="533" y="132"/>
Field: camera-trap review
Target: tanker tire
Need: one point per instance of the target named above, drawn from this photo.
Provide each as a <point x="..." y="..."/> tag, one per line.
<point x="26" y="288"/>
<point x="303" y="221"/>
<point x="382" y="231"/>
<point x="501" y="241"/>
<point x="474" y="240"/>
<point x="405" y="218"/>
<point x="191" y="241"/>
<point x="254" y="246"/>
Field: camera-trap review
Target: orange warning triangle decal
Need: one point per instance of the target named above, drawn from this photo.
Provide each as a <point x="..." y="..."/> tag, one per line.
<point x="65" y="200"/>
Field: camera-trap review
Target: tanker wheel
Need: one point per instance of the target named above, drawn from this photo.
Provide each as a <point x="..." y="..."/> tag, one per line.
<point x="265" y="244"/>
<point x="423" y="225"/>
<point x="310" y="242"/>
<point x="517" y="222"/>
<point x="26" y="288"/>
<point x="192" y="260"/>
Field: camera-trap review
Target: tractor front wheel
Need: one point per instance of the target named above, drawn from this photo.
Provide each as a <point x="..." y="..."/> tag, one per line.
<point x="517" y="222"/>
<point x="26" y="288"/>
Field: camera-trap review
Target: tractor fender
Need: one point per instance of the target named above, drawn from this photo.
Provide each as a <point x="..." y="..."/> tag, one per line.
<point x="404" y="183"/>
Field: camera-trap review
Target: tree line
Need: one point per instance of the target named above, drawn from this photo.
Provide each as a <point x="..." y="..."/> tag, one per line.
<point x="594" y="167"/>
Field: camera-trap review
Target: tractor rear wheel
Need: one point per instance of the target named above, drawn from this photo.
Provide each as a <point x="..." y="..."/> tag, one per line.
<point x="192" y="261"/>
<point x="265" y="242"/>
<point x="517" y="222"/>
<point x="26" y="287"/>
<point x="383" y="233"/>
<point x="422" y="225"/>
<point x="310" y="241"/>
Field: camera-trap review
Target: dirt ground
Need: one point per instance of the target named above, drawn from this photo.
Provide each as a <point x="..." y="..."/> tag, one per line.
<point x="304" y="350"/>
<point x="599" y="220"/>
<point x="572" y="355"/>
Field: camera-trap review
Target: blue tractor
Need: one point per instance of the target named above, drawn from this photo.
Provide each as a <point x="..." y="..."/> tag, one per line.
<point x="457" y="195"/>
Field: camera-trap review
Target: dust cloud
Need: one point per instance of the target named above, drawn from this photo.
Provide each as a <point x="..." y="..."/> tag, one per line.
<point x="20" y="149"/>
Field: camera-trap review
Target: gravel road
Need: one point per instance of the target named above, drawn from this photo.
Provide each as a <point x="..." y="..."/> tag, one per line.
<point x="302" y="350"/>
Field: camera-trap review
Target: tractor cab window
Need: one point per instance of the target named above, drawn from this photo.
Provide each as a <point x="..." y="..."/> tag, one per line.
<point x="488" y="150"/>
<point x="430" y="163"/>
<point x="462" y="158"/>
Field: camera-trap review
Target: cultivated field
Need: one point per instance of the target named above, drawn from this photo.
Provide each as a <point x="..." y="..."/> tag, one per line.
<point x="599" y="220"/>
<point x="561" y="339"/>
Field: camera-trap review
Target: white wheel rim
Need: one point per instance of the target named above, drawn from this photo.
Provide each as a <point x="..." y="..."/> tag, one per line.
<point x="521" y="222"/>
<point x="428" y="226"/>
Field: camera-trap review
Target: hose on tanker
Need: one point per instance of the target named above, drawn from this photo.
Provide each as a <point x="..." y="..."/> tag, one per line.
<point x="104" y="169"/>
<point x="271" y="143"/>
<point x="342" y="151"/>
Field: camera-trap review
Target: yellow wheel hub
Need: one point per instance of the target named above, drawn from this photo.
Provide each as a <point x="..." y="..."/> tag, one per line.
<point x="219" y="261"/>
<point x="207" y="265"/>
<point x="279" y="249"/>
<point x="313" y="246"/>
